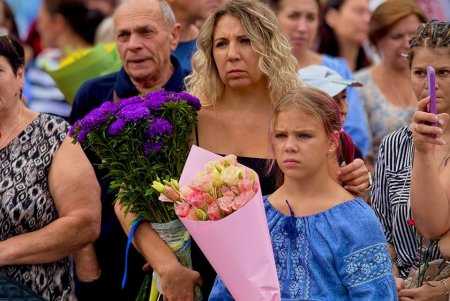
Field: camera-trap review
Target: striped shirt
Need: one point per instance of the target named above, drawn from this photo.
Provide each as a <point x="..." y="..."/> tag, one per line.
<point x="41" y="91"/>
<point x="390" y="197"/>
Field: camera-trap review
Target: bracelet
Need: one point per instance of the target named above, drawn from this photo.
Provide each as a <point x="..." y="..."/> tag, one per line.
<point x="444" y="284"/>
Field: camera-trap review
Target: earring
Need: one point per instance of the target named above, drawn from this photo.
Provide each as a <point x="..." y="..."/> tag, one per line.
<point x="330" y="152"/>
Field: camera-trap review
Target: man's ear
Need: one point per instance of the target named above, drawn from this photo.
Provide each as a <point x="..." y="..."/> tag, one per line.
<point x="175" y="36"/>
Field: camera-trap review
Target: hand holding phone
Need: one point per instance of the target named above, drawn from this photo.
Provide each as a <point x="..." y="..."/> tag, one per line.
<point x="431" y="91"/>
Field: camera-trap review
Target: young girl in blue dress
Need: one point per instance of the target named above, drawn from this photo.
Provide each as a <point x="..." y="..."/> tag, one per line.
<point x="328" y="245"/>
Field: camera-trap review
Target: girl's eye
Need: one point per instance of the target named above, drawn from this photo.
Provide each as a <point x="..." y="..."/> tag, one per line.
<point x="443" y="72"/>
<point x="280" y="136"/>
<point x="304" y="136"/>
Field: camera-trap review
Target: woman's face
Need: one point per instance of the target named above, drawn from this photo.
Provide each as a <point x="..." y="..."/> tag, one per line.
<point x="439" y="59"/>
<point x="299" y="20"/>
<point x="236" y="61"/>
<point x="10" y="85"/>
<point x="351" y="22"/>
<point x="396" y="42"/>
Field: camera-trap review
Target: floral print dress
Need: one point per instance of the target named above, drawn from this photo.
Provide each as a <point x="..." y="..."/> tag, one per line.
<point x="383" y="117"/>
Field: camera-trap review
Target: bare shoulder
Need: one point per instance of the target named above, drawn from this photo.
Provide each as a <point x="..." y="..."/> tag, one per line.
<point x="69" y="148"/>
<point x="70" y="170"/>
<point x="70" y="159"/>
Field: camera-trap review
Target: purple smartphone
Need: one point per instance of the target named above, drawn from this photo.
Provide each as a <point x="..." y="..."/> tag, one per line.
<point x="431" y="91"/>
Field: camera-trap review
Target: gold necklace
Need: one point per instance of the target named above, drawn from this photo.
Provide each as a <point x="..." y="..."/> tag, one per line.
<point x="3" y="143"/>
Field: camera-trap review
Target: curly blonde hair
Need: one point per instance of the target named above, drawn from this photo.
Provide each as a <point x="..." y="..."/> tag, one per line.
<point x="261" y="26"/>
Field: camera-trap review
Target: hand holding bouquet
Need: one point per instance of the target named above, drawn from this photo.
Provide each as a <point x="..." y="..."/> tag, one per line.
<point x="426" y="269"/>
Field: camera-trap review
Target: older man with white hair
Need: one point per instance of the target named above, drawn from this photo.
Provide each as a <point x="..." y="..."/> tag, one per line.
<point x="146" y="34"/>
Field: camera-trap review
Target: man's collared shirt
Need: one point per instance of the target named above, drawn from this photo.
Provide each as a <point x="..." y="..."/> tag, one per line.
<point x="99" y="90"/>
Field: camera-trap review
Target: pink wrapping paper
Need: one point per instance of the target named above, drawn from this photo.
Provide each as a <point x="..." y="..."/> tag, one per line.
<point x="239" y="246"/>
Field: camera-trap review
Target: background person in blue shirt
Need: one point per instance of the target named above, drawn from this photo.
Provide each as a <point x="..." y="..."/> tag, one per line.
<point x="187" y="13"/>
<point x="300" y="20"/>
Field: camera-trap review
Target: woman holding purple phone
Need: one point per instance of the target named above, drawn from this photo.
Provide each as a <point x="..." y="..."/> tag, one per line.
<point x="412" y="166"/>
<point x="430" y="201"/>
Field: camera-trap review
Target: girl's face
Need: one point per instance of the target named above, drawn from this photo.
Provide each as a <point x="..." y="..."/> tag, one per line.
<point x="396" y="42"/>
<point x="439" y="59"/>
<point x="299" y="20"/>
<point x="300" y="143"/>
<point x="351" y="22"/>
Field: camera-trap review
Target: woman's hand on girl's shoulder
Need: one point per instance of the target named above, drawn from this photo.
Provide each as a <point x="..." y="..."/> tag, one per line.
<point x="355" y="177"/>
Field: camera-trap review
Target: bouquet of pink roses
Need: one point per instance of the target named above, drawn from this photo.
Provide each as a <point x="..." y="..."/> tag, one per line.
<point x="219" y="201"/>
<point x="220" y="189"/>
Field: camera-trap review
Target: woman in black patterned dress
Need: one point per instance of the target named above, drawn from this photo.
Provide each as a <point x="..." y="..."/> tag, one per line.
<point x="49" y="196"/>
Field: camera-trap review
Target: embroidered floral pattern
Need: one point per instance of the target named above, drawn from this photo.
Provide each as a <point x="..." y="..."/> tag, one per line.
<point x="367" y="264"/>
<point x="292" y="258"/>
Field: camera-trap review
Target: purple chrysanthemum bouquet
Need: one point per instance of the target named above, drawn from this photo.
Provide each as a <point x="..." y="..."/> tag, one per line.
<point x="140" y="140"/>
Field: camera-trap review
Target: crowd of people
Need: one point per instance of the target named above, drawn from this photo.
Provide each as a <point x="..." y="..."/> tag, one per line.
<point x="329" y="105"/>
